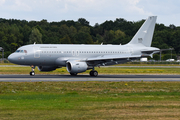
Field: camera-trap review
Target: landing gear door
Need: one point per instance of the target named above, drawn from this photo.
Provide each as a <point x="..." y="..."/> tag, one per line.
<point x="36" y="52"/>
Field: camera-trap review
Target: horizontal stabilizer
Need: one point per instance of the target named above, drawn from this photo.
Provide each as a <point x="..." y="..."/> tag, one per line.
<point x="150" y="52"/>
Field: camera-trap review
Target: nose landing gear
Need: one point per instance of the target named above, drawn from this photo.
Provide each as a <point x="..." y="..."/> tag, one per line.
<point x="32" y="73"/>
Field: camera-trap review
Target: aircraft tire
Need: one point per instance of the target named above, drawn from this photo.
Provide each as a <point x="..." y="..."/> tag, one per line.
<point x="73" y="74"/>
<point x="93" y="73"/>
<point x="32" y="73"/>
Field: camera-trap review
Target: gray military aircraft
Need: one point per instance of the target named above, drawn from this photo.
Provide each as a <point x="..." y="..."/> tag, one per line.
<point x="79" y="58"/>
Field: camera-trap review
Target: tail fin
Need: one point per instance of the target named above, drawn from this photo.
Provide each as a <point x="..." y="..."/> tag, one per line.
<point x="145" y="33"/>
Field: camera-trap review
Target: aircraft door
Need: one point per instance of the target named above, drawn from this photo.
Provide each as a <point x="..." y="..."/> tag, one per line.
<point x="77" y="52"/>
<point x="73" y="53"/>
<point x="36" y="52"/>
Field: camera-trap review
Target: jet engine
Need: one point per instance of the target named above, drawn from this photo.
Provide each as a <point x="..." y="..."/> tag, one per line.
<point x="47" y="68"/>
<point x="76" y="67"/>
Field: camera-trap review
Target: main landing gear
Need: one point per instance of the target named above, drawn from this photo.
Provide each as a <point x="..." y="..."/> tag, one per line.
<point x="32" y="73"/>
<point x="93" y="73"/>
<point x="73" y="74"/>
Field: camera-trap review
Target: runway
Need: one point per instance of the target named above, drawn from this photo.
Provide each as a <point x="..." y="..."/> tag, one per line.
<point x="68" y="78"/>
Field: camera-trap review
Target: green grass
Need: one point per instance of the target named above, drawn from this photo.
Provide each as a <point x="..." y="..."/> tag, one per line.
<point x="89" y="100"/>
<point x="102" y="70"/>
<point x="1" y="63"/>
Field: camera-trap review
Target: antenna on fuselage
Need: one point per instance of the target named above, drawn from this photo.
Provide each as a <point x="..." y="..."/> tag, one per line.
<point x="102" y="43"/>
<point x="34" y="43"/>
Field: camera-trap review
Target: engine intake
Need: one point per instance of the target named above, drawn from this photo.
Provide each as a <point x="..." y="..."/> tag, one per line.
<point x="76" y="67"/>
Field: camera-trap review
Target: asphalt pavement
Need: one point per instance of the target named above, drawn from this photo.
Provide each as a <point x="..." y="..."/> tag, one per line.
<point x="64" y="78"/>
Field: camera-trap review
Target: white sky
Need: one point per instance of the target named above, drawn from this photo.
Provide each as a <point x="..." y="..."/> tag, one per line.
<point x="94" y="11"/>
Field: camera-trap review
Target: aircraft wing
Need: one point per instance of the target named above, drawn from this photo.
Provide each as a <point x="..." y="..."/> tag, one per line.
<point x="113" y="57"/>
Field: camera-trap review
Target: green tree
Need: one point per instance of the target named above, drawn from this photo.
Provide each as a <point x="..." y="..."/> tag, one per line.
<point x="175" y="41"/>
<point x="83" y="21"/>
<point x="64" y="30"/>
<point x="119" y="33"/>
<point x="65" y="40"/>
<point x="99" y="39"/>
<point x="1" y="35"/>
<point x="14" y="46"/>
<point x="35" y="37"/>
<point x="15" y="33"/>
<point x="26" y="32"/>
<point x="72" y="33"/>
<point x="85" y="29"/>
<point x="83" y="38"/>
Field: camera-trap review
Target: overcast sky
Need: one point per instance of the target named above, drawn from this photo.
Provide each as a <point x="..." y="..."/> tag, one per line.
<point x="94" y="11"/>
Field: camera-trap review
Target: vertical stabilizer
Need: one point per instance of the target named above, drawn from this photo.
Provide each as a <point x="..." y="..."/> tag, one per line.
<point x="145" y="33"/>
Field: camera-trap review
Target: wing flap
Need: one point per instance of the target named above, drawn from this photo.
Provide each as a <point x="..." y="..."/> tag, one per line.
<point x="112" y="57"/>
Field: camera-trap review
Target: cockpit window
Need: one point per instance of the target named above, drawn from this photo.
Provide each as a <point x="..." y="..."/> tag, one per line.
<point x="21" y="51"/>
<point x="17" y="51"/>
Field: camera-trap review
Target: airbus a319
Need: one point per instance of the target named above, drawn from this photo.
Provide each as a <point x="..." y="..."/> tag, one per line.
<point x="79" y="58"/>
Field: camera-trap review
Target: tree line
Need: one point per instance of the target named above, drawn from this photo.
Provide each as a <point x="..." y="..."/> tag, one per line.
<point x="15" y="33"/>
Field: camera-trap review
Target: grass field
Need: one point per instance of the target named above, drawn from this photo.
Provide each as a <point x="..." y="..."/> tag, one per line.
<point x="89" y="100"/>
<point x="102" y="70"/>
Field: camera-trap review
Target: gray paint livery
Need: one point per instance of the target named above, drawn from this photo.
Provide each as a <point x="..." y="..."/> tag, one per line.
<point x="79" y="58"/>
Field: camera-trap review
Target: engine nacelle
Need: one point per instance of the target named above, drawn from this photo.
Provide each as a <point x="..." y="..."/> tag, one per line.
<point x="76" y="67"/>
<point x="47" y="68"/>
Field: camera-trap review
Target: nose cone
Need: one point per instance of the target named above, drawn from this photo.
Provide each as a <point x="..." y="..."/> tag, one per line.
<point x="12" y="58"/>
